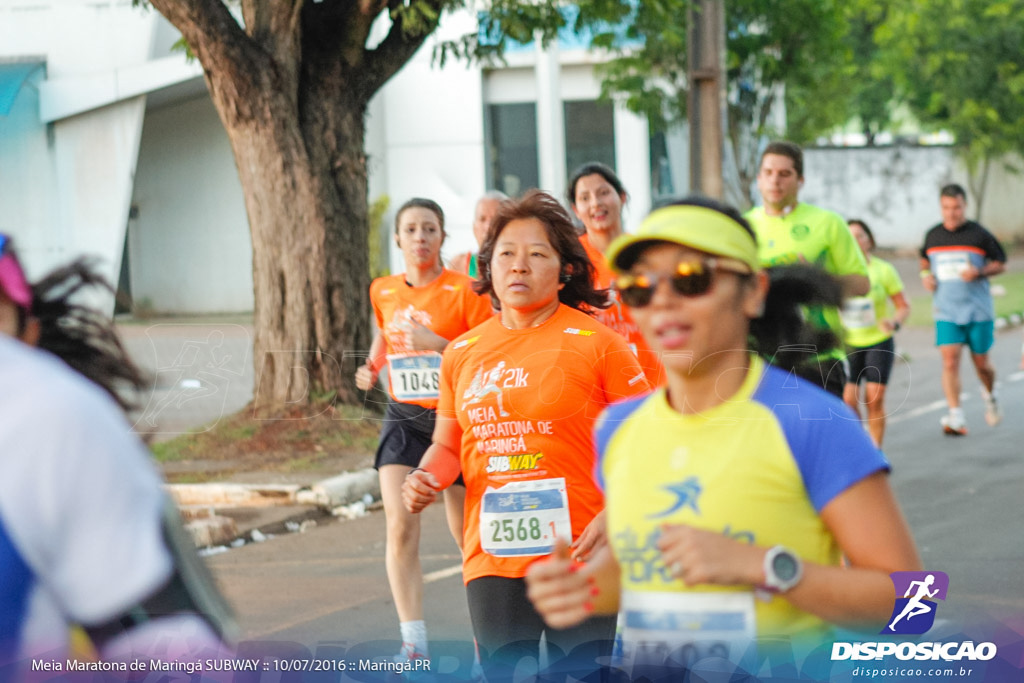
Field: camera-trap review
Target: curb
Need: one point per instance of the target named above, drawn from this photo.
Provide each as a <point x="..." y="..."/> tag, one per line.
<point x="1007" y="321"/>
<point x="340" y="496"/>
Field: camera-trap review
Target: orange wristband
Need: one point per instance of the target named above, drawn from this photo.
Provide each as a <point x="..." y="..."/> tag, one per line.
<point x="444" y="469"/>
<point x="377" y="364"/>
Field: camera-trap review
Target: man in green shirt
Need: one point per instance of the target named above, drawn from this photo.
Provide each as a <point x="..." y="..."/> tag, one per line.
<point x="789" y="231"/>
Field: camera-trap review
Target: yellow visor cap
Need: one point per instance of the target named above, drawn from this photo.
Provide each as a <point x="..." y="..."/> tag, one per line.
<point x="696" y="227"/>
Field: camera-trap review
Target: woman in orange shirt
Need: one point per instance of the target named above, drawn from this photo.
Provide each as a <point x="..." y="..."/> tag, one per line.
<point x="597" y="197"/>
<point x="417" y="312"/>
<point x="519" y="396"/>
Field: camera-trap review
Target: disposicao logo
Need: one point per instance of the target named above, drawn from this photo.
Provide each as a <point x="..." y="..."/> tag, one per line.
<point x="914" y="613"/>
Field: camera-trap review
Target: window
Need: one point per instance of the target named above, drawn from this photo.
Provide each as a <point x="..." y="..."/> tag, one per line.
<point x="589" y="134"/>
<point x="512" y="164"/>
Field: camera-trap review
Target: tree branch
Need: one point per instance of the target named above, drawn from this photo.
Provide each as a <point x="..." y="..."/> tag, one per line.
<point x="276" y="26"/>
<point x="397" y="48"/>
<point x="210" y="30"/>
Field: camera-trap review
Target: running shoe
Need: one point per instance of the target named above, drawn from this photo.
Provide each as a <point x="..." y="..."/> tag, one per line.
<point x="952" y="426"/>
<point x="993" y="413"/>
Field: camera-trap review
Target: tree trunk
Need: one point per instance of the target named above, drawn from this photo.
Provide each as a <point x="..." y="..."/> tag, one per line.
<point x="977" y="180"/>
<point x="307" y="217"/>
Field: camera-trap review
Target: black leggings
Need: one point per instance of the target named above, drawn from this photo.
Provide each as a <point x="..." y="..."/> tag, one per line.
<point x="508" y="629"/>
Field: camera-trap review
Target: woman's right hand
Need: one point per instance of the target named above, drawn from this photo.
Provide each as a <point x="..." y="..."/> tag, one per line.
<point x="365" y="377"/>
<point x="419" y="490"/>
<point x="560" y="589"/>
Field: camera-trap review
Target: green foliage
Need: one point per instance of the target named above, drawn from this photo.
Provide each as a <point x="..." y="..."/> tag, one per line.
<point x="795" y="47"/>
<point x="957" y="64"/>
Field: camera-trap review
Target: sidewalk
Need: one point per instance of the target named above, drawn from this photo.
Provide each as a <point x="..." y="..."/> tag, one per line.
<point x="202" y="371"/>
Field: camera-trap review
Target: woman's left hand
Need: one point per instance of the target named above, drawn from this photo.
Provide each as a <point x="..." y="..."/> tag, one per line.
<point x="698" y="556"/>
<point x="593" y="538"/>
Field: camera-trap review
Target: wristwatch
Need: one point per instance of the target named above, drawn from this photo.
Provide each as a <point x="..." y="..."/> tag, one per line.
<point x="782" y="569"/>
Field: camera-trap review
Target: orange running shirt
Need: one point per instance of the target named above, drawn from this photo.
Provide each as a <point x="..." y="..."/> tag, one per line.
<point x="448" y="306"/>
<point x="526" y="401"/>
<point x="618" y="318"/>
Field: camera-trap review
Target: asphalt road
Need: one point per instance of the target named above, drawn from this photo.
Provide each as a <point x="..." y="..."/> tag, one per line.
<point x="325" y="591"/>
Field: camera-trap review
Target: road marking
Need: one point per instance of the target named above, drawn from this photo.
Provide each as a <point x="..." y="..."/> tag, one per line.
<point x="442" y="574"/>
<point x="919" y="411"/>
<point x="941" y="403"/>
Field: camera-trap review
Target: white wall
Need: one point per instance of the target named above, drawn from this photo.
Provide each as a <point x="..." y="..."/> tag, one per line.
<point x="896" y="190"/>
<point x="190" y="247"/>
<point x="426" y="132"/>
<point x="431" y="125"/>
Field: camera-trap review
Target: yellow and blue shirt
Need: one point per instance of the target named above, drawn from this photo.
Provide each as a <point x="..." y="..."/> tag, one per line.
<point x="758" y="468"/>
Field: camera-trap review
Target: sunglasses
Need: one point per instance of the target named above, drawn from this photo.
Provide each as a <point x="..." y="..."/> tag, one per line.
<point x="690" y="279"/>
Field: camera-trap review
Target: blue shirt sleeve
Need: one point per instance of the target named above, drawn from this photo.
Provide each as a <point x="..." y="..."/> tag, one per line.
<point x="606" y="426"/>
<point x="831" y="448"/>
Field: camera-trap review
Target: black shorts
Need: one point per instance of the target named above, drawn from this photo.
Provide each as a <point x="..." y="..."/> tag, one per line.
<point x="406" y="436"/>
<point x="508" y="628"/>
<point x="871" y="363"/>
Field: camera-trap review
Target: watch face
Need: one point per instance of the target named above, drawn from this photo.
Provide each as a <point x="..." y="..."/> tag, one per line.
<point x="785" y="566"/>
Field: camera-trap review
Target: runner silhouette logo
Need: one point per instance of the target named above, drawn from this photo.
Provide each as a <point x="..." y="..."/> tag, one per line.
<point x="914" y="612"/>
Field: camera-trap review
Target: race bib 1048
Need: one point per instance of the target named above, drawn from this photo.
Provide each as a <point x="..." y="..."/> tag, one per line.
<point x="524" y="518"/>
<point x="414" y="376"/>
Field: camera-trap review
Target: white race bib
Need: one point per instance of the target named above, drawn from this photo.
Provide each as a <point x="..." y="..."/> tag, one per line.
<point x="858" y="312"/>
<point x="414" y="376"/>
<point x="681" y="628"/>
<point x="950" y="266"/>
<point x="524" y="517"/>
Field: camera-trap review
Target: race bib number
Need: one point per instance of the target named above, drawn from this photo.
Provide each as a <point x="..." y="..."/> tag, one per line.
<point x="524" y="518"/>
<point x="950" y="266"/>
<point x="682" y="628"/>
<point x="414" y="376"/>
<point x="858" y="312"/>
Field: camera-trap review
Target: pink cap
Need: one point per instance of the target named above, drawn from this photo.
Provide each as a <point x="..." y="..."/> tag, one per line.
<point x="13" y="282"/>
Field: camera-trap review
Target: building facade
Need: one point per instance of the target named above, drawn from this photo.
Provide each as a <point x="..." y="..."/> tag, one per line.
<point x="110" y="147"/>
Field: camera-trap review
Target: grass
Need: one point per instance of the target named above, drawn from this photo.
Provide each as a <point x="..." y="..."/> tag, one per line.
<point x="174" y="450"/>
<point x="1011" y="302"/>
<point x="318" y="437"/>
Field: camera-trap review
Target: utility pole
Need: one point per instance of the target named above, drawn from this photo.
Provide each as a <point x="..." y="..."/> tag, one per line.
<point x="706" y="95"/>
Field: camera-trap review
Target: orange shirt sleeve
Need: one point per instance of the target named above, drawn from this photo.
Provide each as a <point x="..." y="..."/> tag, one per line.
<point x="623" y="375"/>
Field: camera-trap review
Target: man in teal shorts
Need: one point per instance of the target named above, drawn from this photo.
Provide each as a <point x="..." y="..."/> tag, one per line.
<point x="957" y="259"/>
<point x="790" y="231"/>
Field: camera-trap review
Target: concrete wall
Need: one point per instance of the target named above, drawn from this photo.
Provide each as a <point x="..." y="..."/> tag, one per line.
<point x="66" y="184"/>
<point x="895" y="189"/>
<point x="189" y="244"/>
